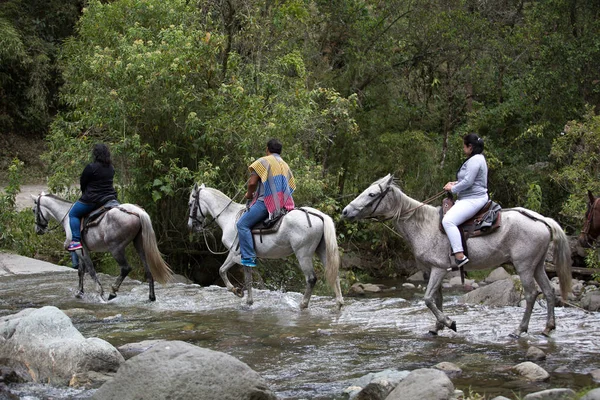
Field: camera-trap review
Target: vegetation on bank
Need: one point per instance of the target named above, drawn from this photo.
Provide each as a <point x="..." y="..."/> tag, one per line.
<point x="190" y="92"/>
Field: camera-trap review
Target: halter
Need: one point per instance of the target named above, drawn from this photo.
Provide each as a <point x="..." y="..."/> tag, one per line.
<point x="588" y="223"/>
<point x="41" y="221"/>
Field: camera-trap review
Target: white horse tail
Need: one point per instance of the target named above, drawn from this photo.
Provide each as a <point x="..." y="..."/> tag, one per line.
<point x="158" y="267"/>
<point x="562" y="257"/>
<point x="332" y="257"/>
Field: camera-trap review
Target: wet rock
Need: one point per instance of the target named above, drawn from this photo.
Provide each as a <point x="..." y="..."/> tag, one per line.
<point x="44" y="346"/>
<point x="408" y="286"/>
<point x="133" y="349"/>
<point x="449" y="368"/>
<point x="593" y="394"/>
<point x="497" y="274"/>
<point x="456" y="281"/>
<point x="375" y="384"/>
<point x="425" y="383"/>
<point x="499" y="293"/>
<point x="535" y="354"/>
<point x="552" y="394"/>
<point x="363" y="288"/>
<point x="595" y="374"/>
<point x="591" y="301"/>
<point x="531" y="371"/>
<point x="417" y="277"/>
<point x="179" y="370"/>
<point x="500" y="398"/>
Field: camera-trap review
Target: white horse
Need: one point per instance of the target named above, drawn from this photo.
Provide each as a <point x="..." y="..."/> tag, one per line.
<point x="302" y="232"/>
<point x="115" y="230"/>
<point x="523" y="240"/>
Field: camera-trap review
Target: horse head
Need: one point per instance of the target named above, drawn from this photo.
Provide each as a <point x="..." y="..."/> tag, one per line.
<point x="367" y="204"/>
<point x="591" y="227"/>
<point x="41" y="219"/>
<point x="196" y="215"/>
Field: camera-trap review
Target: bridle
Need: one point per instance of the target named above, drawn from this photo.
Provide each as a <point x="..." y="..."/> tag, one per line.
<point x="41" y="221"/>
<point x="383" y="192"/>
<point x="588" y="223"/>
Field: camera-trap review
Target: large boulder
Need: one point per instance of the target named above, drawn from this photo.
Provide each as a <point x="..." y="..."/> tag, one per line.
<point x="424" y="383"/>
<point x="498" y="293"/>
<point x="182" y="371"/>
<point x="44" y="346"/>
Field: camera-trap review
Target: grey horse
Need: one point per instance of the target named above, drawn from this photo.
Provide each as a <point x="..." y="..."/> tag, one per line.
<point x="523" y="240"/>
<point x="303" y="232"/>
<point x="116" y="230"/>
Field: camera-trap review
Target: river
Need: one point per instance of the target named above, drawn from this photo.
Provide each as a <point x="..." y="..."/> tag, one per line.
<point x="316" y="353"/>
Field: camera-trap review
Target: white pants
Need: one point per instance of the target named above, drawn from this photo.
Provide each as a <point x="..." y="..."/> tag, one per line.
<point x="461" y="211"/>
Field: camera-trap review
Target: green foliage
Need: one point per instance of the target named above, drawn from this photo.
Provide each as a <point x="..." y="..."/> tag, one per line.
<point x="534" y="197"/>
<point x="576" y="154"/>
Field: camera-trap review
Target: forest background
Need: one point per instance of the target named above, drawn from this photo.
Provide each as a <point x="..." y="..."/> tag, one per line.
<point x="190" y="91"/>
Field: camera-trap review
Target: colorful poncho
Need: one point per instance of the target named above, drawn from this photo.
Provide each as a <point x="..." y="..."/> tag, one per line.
<point x="277" y="180"/>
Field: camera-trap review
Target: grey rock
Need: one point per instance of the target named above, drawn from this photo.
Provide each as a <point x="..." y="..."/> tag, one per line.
<point x="182" y="371"/>
<point x="425" y="383"/>
<point x="44" y="346"/>
<point x="552" y="394"/>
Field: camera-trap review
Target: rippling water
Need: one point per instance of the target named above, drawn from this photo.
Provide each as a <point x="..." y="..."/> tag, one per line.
<point x="316" y="353"/>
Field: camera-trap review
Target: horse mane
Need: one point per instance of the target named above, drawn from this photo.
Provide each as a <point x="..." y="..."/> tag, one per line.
<point x="218" y="193"/>
<point x="55" y="197"/>
<point x="421" y="212"/>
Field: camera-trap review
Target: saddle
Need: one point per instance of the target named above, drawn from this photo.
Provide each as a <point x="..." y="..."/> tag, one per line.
<point x="484" y="222"/>
<point x="94" y="218"/>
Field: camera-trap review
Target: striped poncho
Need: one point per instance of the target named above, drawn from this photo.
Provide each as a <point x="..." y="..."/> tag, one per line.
<point x="277" y="180"/>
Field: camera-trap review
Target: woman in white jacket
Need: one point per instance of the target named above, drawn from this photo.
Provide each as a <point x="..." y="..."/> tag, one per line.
<point x="471" y="190"/>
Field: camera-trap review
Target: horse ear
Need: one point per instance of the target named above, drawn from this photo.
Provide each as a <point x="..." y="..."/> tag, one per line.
<point x="390" y="179"/>
<point x="591" y="197"/>
<point x="202" y="186"/>
<point x="195" y="187"/>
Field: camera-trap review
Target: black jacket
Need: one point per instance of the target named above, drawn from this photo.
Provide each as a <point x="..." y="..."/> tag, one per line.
<point x="96" y="183"/>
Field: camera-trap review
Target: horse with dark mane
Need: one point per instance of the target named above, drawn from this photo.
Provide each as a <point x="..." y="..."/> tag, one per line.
<point x="523" y="240"/>
<point x="591" y="227"/>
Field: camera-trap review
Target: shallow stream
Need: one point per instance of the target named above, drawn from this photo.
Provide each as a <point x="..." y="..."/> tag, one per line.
<point x="317" y="353"/>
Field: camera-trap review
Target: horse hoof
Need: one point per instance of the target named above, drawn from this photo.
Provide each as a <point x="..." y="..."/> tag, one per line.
<point x="111" y="296"/>
<point x="453" y="326"/>
<point x="546" y="332"/>
<point x="432" y="333"/>
<point x="239" y="292"/>
<point x="152" y="298"/>
<point x="513" y="335"/>
<point x="79" y="295"/>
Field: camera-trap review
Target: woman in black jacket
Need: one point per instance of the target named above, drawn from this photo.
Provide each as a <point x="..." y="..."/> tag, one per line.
<point x="96" y="183"/>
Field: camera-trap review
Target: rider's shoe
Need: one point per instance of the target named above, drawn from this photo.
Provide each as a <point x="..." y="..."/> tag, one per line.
<point x="461" y="263"/>
<point x="249" y="262"/>
<point x="74" y="246"/>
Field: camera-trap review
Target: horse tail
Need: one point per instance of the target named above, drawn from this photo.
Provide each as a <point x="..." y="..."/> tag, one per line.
<point x="332" y="257"/>
<point x="562" y="257"/>
<point x="160" y="270"/>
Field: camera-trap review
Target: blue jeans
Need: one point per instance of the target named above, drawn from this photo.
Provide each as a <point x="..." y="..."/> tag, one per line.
<point x="257" y="213"/>
<point x="78" y="210"/>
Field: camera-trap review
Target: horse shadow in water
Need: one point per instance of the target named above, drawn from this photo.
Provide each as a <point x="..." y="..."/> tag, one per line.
<point x="112" y="232"/>
<point x="302" y="232"/>
<point x="523" y="240"/>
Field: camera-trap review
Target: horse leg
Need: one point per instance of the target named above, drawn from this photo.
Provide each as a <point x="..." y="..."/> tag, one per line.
<point x="438" y="299"/>
<point x="139" y="247"/>
<point x="530" y="292"/>
<point x="542" y="280"/>
<point x="432" y="299"/>
<point x="82" y="266"/>
<point x="306" y="265"/>
<point x="248" y="283"/>
<point x="89" y="267"/>
<point x="119" y="256"/>
<point x="229" y="262"/>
